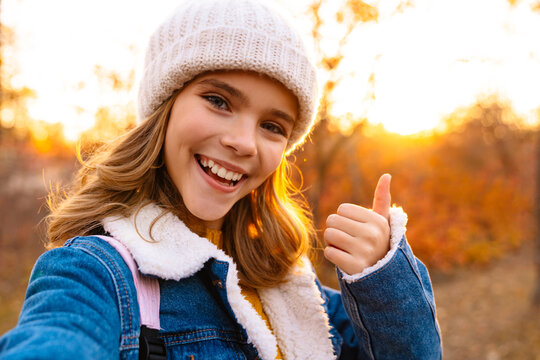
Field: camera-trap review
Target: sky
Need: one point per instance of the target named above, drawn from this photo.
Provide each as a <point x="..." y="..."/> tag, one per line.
<point x="424" y="62"/>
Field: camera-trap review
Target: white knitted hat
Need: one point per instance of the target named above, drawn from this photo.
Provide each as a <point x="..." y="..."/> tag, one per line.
<point x="210" y="35"/>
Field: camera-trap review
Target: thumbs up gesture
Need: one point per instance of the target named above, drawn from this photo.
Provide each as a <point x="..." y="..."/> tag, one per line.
<point x="357" y="237"/>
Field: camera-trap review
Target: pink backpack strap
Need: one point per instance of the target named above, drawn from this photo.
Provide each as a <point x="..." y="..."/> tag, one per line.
<point x="147" y="287"/>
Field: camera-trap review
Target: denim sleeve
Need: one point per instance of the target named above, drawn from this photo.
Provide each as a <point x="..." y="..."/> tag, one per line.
<point x="391" y="312"/>
<point x="70" y="311"/>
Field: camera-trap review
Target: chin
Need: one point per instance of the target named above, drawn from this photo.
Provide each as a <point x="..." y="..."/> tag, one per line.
<point x="211" y="219"/>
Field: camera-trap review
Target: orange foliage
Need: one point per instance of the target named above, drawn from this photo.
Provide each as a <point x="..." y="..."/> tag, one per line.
<point x="362" y="11"/>
<point x="468" y="191"/>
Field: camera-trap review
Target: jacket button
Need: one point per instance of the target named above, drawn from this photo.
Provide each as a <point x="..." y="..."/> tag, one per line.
<point x="218" y="283"/>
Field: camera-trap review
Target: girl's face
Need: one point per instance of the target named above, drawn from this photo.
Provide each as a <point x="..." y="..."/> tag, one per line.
<point x="227" y="133"/>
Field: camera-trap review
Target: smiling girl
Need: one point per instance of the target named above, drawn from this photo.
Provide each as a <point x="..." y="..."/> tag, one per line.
<point x="185" y="239"/>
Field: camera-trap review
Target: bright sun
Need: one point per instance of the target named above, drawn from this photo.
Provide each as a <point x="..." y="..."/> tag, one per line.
<point x="405" y="71"/>
<point x="410" y="69"/>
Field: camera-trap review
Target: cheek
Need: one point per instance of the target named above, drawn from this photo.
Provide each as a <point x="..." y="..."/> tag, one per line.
<point x="186" y="131"/>
<point x="272" y="159"/>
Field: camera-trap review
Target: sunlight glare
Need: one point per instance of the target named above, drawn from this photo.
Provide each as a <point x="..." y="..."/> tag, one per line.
<point x="438" y="56"/>
<point x="406" y="71"/>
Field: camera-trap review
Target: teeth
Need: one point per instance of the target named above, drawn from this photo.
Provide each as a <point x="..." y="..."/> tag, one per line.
<point x="221" y="171"/>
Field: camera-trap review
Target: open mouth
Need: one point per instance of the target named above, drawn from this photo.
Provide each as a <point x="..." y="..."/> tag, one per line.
<point x="219" y="173"/>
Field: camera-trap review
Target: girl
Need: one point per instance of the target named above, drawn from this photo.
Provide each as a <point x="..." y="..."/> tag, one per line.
<point x="198" y="195"/>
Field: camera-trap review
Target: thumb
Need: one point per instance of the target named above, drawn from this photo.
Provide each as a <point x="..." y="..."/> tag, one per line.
<point x="382" y="197"/>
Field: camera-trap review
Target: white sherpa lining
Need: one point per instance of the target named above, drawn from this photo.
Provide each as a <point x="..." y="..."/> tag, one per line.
<point x="294" y="308"/>
<point x="297" y="317"/>
<point x="398" y="222"/>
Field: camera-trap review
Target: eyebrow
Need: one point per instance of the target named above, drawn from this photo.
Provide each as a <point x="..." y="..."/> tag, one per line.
<point x="228" y="88"/>
<point x="281" y="114"/>
<point x="243" y="98"/>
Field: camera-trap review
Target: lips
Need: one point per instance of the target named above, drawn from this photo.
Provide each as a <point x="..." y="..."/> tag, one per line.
<point x="220" y="173"/>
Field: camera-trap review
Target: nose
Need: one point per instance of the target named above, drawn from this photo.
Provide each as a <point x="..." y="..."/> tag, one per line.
<point x="241" y="136"/>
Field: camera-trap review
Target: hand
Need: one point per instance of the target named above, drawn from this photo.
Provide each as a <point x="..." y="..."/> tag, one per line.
<point x="357" y="237"/>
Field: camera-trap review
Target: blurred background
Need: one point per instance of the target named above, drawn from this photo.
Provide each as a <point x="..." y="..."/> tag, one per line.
<point x="444" y="95"/>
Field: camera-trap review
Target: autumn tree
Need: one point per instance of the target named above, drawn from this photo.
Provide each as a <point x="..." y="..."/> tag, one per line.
<point x="469" y="189"/>
<point x="14" y="119"/>
<point x="16" y="125"/>
<point x="327" y="140"/>
<point x="536" y="292"/>
<point x="110" y="121"/>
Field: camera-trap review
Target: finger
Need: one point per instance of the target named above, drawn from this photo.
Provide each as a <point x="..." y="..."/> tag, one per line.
<point x="355" y="212"/>
<point x="346" y="262"/>
<point x="382" y="198"/>
<point x="338" y="239"/>
<point x="339" y="258"/>
<point x="352" y="227"/>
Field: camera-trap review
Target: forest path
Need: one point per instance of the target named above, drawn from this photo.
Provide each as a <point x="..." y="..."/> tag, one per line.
<point x="487" y="314"/>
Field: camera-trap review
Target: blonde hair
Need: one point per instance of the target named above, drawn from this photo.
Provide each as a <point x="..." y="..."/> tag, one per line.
<point x="265" y="233"/>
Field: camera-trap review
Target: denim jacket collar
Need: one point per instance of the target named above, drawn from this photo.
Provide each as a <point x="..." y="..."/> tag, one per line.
<point x="171" y="251"/>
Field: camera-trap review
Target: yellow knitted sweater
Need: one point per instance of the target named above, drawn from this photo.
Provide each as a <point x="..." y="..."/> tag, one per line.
<point x="250" y="294"/>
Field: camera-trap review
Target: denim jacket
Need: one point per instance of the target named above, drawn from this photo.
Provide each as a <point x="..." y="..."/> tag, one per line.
<point x="81" y="303"/>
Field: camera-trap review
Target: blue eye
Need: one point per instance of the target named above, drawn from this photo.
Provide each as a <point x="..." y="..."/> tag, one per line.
<point x="274" y="128"/>
<point x="217" y="102"/>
